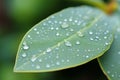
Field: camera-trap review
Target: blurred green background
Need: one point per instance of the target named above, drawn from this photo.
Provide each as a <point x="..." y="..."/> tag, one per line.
<point x="16" y="18"/>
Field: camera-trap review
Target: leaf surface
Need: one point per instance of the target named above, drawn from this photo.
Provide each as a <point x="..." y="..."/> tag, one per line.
<point x="69" y="38"/>
<point x="110" y="61"/>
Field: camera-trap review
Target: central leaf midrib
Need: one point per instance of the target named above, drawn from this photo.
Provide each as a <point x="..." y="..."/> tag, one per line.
<point x="68" y="38"/>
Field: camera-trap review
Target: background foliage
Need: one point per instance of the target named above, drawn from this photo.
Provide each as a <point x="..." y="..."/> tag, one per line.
<point x="16" y="18"/>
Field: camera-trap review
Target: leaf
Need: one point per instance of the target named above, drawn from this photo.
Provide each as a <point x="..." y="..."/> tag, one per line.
<point x="110" y="61"/>
<point x="69" y="38"/>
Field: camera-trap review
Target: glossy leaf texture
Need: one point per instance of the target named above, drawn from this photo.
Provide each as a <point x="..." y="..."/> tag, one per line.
<point x="69" y="38"/>
<point x="110" y="61"/>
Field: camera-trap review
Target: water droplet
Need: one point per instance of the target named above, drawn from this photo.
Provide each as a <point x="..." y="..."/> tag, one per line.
<point x="35" y="29"/>
<point x="24" y="55"/>
<point x="77" y="42"/>
<point x="119" y="52"/>
<point x="57" y="34"/>
<point x="37" y="67"/>
<point x="40" y="60"/>
<point x="90" y="32"/>
<point x="47" y="65"/>
<point x="48" y="50"/>
<point x="70" y="19"/>
<point x="71" y="30"/>
<point x="25" y="47"/>
<point x="37" y="32"/>
<point x="57" y="63"/>
<point x="57" y="28"/>
<point x="65" y="25"/>
<point x="106" y="43"/>
<point x="112" y="75"/>
<point x="80" y="34"/>
<point x="68" y="60"/>
<point x="67" y="43"/>
<point x="28" y="36"/>
<point x="118" y="29"/>
<point x="105" y="37"/>
<point x="87" y="56"/>
<point x="91" y="39"/>
<point x="33" y="58"/>
<point x="51" y="28"/>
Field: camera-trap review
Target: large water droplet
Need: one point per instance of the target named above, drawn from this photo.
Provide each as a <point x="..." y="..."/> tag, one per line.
<point x="24" y="55"/>
<point x="25" y="46"/>
<point x="65" y="25"/>
<point x="67" y="43"/>
<point x="48" y="50"/>
<point x="80" y="34"/>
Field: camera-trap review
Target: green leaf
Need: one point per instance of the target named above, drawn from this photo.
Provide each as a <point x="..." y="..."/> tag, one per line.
<point x="69" y="38"/>
<point x="110" y="61"/>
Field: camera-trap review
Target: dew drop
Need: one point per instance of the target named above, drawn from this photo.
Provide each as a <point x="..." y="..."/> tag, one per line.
<point x="37" y="67"/>
<point x="91" y="39"/>
<point x="67" y="43"/>
<point x="80" y="34"/>
<point x="57" y="63"/>
<point x="68" y="60"/>
<point x="35" y="29"/>
<point x="87" y="56"/>
<point x="40" y="60"/>
<point x="106" y="43"/>
<point x="25" y="47"/>
<point x="90" y="32"/>
<point x="24" y="55"/>
<point x="65" y="25"/>
<point x="57" y="34"/>
<point x="48" y="50"/>
<point x="105" y="37"/>
<point x="28" y="36"/>
<point x="37" y="32"/>
<point x="119" y="52"/>
<point x="33" y="58"/>
<point x="47" y="65"/>
<point x="77" y="42"/>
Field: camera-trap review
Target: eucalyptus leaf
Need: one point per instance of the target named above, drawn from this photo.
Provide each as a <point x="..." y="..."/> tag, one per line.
<point x="69" y="38"/>
<point x="110" y="61"/>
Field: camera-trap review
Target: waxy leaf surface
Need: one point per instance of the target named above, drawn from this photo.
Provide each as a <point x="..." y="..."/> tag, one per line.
<point x="110" y="61"/>
<point x="69" y="38"/>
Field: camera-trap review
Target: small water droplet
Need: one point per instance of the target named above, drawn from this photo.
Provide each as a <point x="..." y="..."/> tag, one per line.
<point x="77" y="42"/>
<point x="91" y="39"/>
<point x="106" y="43"/>
<point x="24" y="55"/>
<point x="37" y="67"/>
<point x="57" y="28"/>
<point x="57" y="34"/>
<point x="68" y="60"/>
<point x="35" y="29"/>
<point x="51" y="28"/>
<point x="37" y="32"/>
<point x="119" y="52"/>
<point x="47" y="65"/>
<point x="105" y="37"/>
<point x="28" y="36"/>
<point x="57" y="63"/>
<point x="65" y="25"/>
<point x="80" y="34"/>
<point x="70" y="19"/>
<point x="67" y="43"/>
<point x="112" y="75"/>
<point x="48" y="50"/>
<point x="40" y="60"/>
<point x="33" y="58"/>
<point x="87" y="56"/>
<point x="90" y="32"/>
<point x="71" y="30"/>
